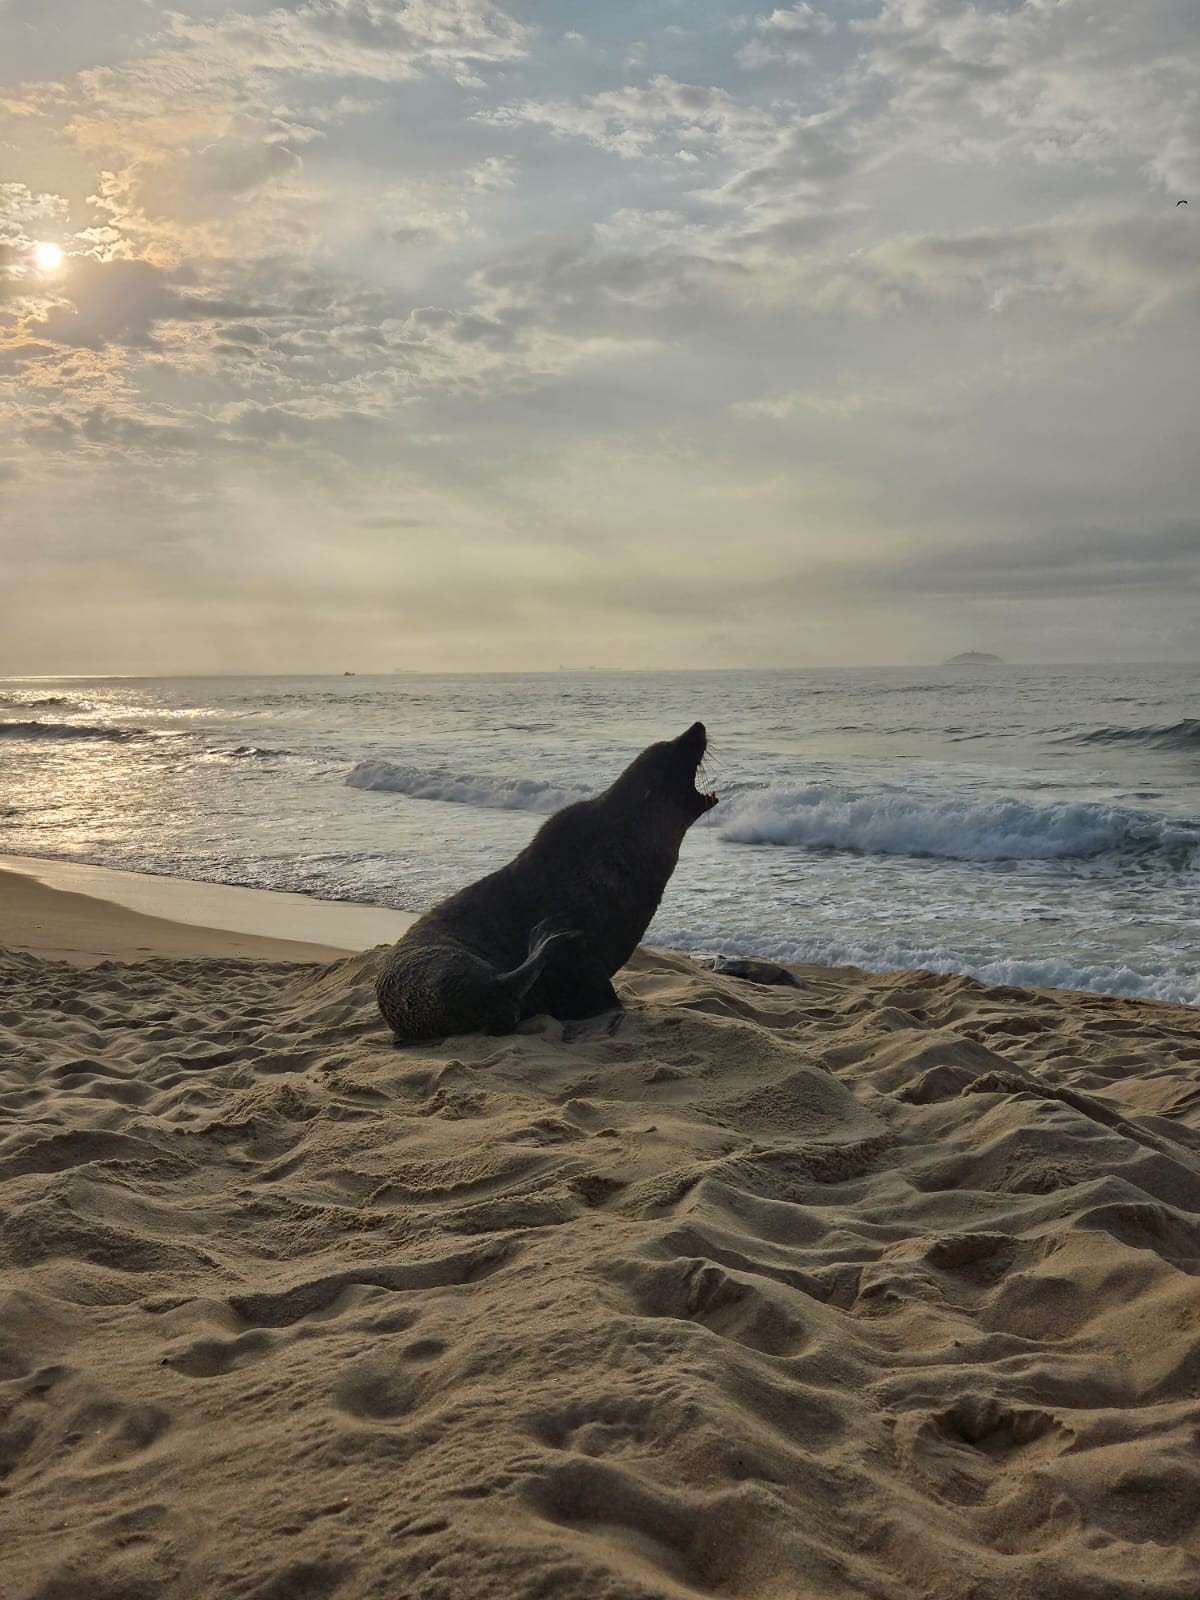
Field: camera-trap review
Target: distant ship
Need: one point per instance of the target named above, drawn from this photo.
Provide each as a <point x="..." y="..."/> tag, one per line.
<point x="974" y="658"/>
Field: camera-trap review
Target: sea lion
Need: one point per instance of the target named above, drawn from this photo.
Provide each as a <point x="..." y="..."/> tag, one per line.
<point x="546" y="932"/>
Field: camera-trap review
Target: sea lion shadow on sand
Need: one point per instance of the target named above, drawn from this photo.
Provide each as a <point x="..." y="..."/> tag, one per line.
<point x="546" y="933"/>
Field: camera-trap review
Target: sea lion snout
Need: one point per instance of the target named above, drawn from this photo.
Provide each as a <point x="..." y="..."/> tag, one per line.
<point x="694" y="742"/>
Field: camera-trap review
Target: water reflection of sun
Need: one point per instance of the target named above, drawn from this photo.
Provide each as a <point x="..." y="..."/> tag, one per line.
<point x="48" y="256"/>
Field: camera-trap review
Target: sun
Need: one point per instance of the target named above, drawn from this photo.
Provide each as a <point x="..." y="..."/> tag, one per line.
<point x="48" y="256"/>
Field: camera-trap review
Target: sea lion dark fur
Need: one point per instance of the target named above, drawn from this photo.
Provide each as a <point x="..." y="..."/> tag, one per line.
<point x="546" y="932"/>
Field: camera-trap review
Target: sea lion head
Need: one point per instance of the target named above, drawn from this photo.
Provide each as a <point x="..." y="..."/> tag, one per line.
<point x="663" y="779"/>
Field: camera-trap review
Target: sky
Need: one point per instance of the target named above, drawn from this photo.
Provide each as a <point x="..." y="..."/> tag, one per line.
<point x="451" y="336"/>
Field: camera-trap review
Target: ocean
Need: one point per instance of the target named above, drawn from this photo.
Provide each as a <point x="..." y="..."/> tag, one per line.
<point x="1025" y="825"/>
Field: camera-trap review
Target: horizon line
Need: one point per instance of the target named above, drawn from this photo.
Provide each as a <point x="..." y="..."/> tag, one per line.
<point x="551" y="672"/>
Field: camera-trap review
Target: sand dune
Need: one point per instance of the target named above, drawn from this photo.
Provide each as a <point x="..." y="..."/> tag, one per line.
<point x="883" y="1286"/>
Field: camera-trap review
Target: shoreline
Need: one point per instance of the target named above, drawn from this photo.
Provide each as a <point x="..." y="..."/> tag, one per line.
<point x="68" y="911"/>
<point x="83" y="914"/>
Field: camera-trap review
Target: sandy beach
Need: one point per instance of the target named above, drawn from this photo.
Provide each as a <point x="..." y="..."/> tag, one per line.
<point x="59" y="925"/>
<point x="67" y="911"/>
<point x="882" y="1286"/>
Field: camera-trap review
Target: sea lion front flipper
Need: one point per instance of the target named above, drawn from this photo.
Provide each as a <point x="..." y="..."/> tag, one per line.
<point x="605" y="1023"/>
<point x="587" y="995"/>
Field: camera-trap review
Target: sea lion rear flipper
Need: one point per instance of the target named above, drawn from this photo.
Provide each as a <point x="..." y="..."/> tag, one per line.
<point x="546" y="934"/>
<point x="550" y="928"/>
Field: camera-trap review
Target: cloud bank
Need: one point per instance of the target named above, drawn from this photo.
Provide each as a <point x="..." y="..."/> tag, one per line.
<point x="451" y="335"/>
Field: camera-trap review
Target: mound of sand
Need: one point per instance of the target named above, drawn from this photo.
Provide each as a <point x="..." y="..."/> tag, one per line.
<point x="883" y="1286"/>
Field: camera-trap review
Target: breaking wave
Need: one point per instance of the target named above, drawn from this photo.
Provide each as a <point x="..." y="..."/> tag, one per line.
<point x="250" y="752"/>
<point x="828" y="817"/>
<point x="501" y="794"/>
<point x="1183" y="736"/>
<point x="25" y="703"/>
<point x="66" y="730"/>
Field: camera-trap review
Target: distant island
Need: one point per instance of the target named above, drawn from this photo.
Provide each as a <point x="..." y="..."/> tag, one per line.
<point x="974" y="658"/>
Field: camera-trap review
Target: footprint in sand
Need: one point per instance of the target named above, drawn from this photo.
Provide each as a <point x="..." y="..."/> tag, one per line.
<point x="59" y="1414"/>
<point x="755" y="1312"/>
<point x="386" y="1386"/>
<point x="698" y="1544"/>
<point x="966" y="1451"/>
<point x="210" y="1358"/>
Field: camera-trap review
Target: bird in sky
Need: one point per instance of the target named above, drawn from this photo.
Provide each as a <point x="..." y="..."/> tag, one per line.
<point x="1181" y="202"/>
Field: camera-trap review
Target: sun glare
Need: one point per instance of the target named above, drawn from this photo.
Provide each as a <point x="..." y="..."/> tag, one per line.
<point x="48" y="256"/>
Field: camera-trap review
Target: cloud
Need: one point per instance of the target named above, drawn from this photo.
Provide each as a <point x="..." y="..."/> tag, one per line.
<point x="778" y="33"/>
<point x="121" y="302"/>
<point x="718" y="343"/>
<point x="199" y="66"/>
<point x="799" y="18"/>
<point x="1109" y="268"/>
<point x="636" y="121"/>
<point x="211" y="110"/>
<point x="25" y="213"/>
<point x="1086" y="562"/>
<point x="233" y="165"/>
<point x="1081" y="81"/>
